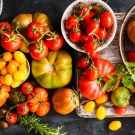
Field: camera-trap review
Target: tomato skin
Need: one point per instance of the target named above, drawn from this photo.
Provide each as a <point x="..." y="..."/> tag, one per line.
<point x="71" y="22"/>
<point x="82" y="40"/>
<point x="115" y="125"/>
<point x="94" y="55"/>
<point x="120" y="110"/>
<point x="22" y="109"/>
<point x="101" y="113"/>
<point x="102" y="33"/>
<point x="131" y="56"/>
<point x="89" y="106"/>
<point x="54" y="44"/>
<point x="34" y="30"/>
<point x="92" y="74"/>
<point x="11" y="118"/>
<point x="106" y="19"/>
<point x="11" y="43"/>
<point x="27" y="88"/>
<point x="38" y="50"/>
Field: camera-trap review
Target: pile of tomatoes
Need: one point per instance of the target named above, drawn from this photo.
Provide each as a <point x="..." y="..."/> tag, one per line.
<point x="88" y="26"/>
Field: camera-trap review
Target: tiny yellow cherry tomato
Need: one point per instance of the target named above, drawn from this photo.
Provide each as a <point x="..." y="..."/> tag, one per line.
<point x="8" y="79"/>
<point x="3" y="71"/>
<point x="2" y="63"/>
<point x="19" y="76"/>
<point x="89" y="106"/>
<point x="101" y="113"/>
<point x="102" y="99"/>
<point x="115" y="125"/>
<point x="15" y="84"/>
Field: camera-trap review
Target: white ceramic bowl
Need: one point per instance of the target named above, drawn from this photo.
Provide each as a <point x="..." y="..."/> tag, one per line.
<point x="67" y="13"/>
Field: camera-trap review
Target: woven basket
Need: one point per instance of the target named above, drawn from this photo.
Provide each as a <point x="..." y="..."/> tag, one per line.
<point x="125" y="44"/>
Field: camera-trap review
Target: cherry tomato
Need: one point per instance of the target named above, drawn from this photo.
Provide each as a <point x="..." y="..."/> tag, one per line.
<point x="120" y="110"/>
<point x="102" y="99"/>
<point x="94" y="55"/>
<point x="115" y="125"/>
<point x="92" y="74"/>
<point x="38" y="50"/>
<point x="82" y="62"/>
<point x="22" y="109"/>
<point x="35" y="30"/>
<point x="101" y="113"/>
<point x="71" y="22"/>
<point x="89" y="106"/>
<point x="106" y="19"/>
<point x="131" y="56"/>
<point x="7" y="56"/>
<point x="92" y="13"/>
<point x="11" y="118"/>
<point x="54" y="42"/>
<point x="27" y="88"/>
<point x="102" y="33"/>
<point x="82" y="40"/>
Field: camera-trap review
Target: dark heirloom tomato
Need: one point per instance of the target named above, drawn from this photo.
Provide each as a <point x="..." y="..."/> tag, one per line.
<point x="91" y="89"/>
<point x="54" y="71"/>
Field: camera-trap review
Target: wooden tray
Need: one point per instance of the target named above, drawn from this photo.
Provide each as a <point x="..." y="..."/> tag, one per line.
<point x="111" y="53"/>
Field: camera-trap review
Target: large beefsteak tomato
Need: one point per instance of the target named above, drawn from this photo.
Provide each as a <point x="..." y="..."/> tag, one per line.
<point x="93" y="89"/>
<point x="54" y="71"/>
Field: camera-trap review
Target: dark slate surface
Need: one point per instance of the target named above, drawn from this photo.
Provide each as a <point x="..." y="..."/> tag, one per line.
<point x="72" y="123"/>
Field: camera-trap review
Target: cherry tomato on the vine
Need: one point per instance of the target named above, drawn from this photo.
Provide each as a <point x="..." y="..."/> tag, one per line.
<point x="94" y="55"/>
<point x="22" y="109"/>
<point x="82" y="40"/>
<point x="27" y="88"/>
<point x="11" y="118"/>
<point x="102" y="33"/>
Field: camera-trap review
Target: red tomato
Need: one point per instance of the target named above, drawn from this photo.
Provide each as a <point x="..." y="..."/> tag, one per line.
<point x="22" y="109"/>
<point x="90" y="45"/>
<point x="11" y="118"/>
<point x="82" y="40"/>
<point x="35" y="30"/>
<point x="27" y="88"/>
<point x="92" y="13"/>
<point x="74" y="35"/>
<point x="71" y="22"/>
<point x="10" y="41"/>
<point x="38" y="50"/>
<point x="54" y="42"/>
<point x="5" y="27"/>
<point x="106" y="19"/>
<point x="82" y="62"/>
<point x="93" y="74"/>
<point x="102" y="33"/>
<point x="94" y="55"/>
<point x="120" y="110"/>
<point x="131" y="56"/>
<point x="91" y="89"/>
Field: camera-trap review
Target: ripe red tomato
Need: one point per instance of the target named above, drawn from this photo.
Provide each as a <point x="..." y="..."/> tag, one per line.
<point x="34" y="30"/>
<point x="82" y="40"/>
<point x="102" y="33"/>
<point x="131" y="56"/>
<point x="27" y="88"/>
<point x="54" y="42"/>
<point x="120" y="110"/>
<point x="94" y="55"/>
<point x="106" y="19"/>
<point x="11" y="118"/>
<point x="82" y="62"/>
<point x="10" y="41"/>
<point x="71" y="22"/>
<point x="92" y="13"/>
<point x="38" y="50"/>
<point x="22" y="109"/>
<point x="75" y="35"/>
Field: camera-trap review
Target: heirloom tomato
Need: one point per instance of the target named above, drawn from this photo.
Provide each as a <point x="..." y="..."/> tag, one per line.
<point x="65" y="100"/>
<point x="38" y="101"/>
<point x="3" y="124"/>
<point x="93" y="89"/>
<point x="11" y="118"/>
<point x="54" y="71"/>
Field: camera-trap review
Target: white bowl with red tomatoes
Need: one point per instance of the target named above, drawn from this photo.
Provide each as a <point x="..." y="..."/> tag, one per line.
<point x="88" y="25"/>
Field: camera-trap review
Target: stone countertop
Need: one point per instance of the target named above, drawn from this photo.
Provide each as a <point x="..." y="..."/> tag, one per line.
<point x="73" y="124"/>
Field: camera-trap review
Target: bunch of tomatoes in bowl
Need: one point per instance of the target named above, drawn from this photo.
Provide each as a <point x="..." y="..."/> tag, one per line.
<point x="88" y="26"/>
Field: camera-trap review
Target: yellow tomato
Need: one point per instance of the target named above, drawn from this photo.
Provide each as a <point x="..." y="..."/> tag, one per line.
<point x="15" y="84"/>
<point x="2" y="63"/>
<point x="19" y="76"/>
<point x="7" y="56"/>
<point x="22" y="67"/>
<point x="19" y="57"/>
<point x="115" y="125"/>
<point x="101" y="113"/>
<point x="8" y="79"/>
<point x="102" y="99"/>
<point x="89" y="106"/>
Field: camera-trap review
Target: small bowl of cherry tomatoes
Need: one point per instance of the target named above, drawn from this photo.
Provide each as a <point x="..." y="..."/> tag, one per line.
<point x="88" y="25"/>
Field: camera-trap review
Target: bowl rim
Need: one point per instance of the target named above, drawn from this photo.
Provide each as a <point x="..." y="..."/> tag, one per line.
<point x="1" y="6"/>
<point x="63" y="30"/>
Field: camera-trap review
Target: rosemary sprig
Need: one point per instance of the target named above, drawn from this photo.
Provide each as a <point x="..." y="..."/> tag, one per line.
<point x="32" y="122"/>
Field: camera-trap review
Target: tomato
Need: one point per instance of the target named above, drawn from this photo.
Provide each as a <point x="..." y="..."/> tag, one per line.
<point x="35" y="30"/>
<point x="101" y="113"/>
<point x="22" y="109"/>
<point x="89" y="106"/>
<point x="11" y="118"/>
<point x="10" y="41"/>
<point x="106" y="19"/>
<point x="71" y="22"/>
<point x="115" y="125"/>
<point x="3" y="124"/>
<point x="75" y="35"/>
<point x="82" y="62"/>
<point x="91" y="89"/>
<point x="94" y="55"/>
<point x="92" y="13"/>
<point x="2" y="63"/>
<point x="38" y="50"/>
<point x="90" y="45"/>
<point x="102" y="33"/>
<point x="54" y="42"/>
<point x="102" y="99"/>
<point x="7" y="56"/>
<point x="5" y="27"/>
<point x="27" y="88"/>
<point x="11" y="68"/>
<point x="54" y="71"/>
<point x="131" y="56"/>
<point x="120" y="110"/>
<point x="8" y="79"/>
<point x="82" y="40"/>
<point x="120" y="97"/>
<point x="92" y="27"/>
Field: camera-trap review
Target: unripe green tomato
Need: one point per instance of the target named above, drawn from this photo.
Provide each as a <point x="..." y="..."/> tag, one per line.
<point x="89" y="106"/>
<point x="115" y="125"/>
<point x="101" y="113"/>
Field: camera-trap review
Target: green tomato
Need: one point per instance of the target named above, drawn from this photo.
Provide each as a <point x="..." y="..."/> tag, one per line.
<point x="120" y="97"/>
<point x="101" y="113"/>
<point x="115" y="125"/>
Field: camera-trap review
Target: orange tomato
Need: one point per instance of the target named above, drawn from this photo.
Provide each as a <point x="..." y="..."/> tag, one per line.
<point x="11" y="68"/>
<point x="102" y="99"/>
<point x="4" y="71"/>
<point x="7" y="56"/>
<point x="14" y="62"/>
